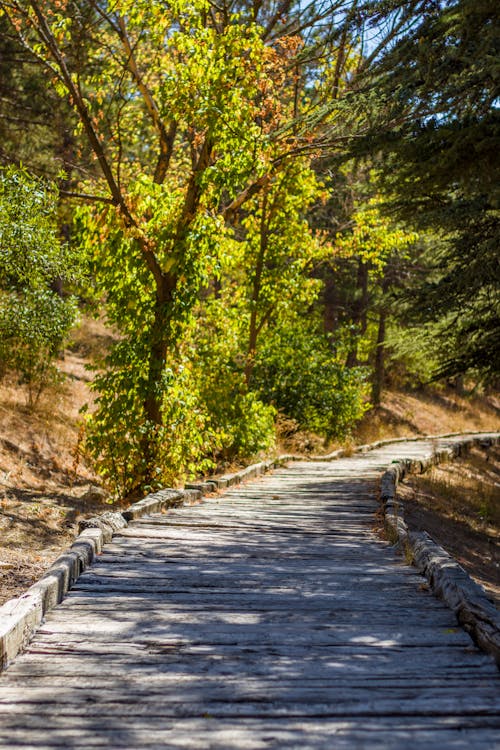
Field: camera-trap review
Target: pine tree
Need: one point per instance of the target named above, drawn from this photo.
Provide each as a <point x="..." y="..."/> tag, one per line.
<point x="440" y="159"/>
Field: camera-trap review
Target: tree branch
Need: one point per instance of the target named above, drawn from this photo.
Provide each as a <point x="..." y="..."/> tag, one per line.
<point x="229" y="211"/>
<point x="281" y="10"/>
<point x="166" y="137"/>
<point x="78" y="102"/>
<point x="87" y="197"/>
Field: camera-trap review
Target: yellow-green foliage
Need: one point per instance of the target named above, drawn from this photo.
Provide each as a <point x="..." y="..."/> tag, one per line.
<point x="34" y="320"/>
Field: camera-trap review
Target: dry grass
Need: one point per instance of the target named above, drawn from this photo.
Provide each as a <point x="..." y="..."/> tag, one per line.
<point x="430" y="413"/>
<point x="290" y="439"/>
<point x="469" y="489"/>
<point x="92" y="339"/>
<point x="458" y="504"/>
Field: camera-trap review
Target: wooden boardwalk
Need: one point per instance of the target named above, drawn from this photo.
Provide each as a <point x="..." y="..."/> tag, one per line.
<point x="268" y="617"/>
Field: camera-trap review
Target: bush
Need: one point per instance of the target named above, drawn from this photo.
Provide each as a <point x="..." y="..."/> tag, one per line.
<point x="33" y="328"/>
<point x="34" y="320"/>
<point x="131" y="453"/>
<point x="206" y="419"/>
<point x="296" y="371"/>
<point x="243" y="425"/>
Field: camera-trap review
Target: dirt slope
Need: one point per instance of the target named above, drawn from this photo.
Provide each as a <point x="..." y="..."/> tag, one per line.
<point x="44" y="479"/>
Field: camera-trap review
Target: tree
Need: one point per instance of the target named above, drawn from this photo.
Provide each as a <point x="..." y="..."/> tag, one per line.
<point x="379" y="248"/>
<point x="259" y="340"/>
<point x="440" y="169"/>
<point x="192" y="111"/>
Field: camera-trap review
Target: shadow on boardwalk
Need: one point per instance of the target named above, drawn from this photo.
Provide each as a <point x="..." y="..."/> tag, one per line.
<point x="269" y="617"/>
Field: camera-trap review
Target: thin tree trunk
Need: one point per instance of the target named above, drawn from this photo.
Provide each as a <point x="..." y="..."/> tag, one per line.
<point x="257" y="281"/>
<point x="330" y="304"/>
<point x="379" y="370"/>
<point x="360" y="311"/>
<point x="460" y="385"/>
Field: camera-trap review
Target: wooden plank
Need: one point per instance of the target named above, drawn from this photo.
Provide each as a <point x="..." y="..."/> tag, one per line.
<point x="62" y="677"/>
<point x="422" y="734"/>
<point x="150" y="708"/>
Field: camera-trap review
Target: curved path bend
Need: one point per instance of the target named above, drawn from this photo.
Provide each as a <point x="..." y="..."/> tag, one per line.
<point x="271" y="616"/>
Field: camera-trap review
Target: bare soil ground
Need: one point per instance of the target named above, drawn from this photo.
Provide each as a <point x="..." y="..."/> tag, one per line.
<point x="45" y="480"/>
<point x="458" y="504"/>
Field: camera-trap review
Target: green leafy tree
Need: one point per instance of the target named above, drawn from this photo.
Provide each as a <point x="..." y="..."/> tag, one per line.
<point x="192" y="111"/>
<point x="380" y="248"/>
<point x="279" y="251"/>
<point x="254" y="315"/>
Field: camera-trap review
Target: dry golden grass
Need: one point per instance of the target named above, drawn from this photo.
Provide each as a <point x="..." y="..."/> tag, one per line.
<point x="43" y="475"/>
<point x="428" y="413"/>
<point x="468" y="489"/>
<point x="92" y="339"/>
<point x="458" y="504"/>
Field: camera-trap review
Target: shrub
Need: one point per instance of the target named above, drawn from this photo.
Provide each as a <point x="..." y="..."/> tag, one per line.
<point x="297" y="371"/>
<point x="34" y="319"/>
<point x="33" y="328"/>
<point x="242" y="424"/>
<point x="131" y="453"/>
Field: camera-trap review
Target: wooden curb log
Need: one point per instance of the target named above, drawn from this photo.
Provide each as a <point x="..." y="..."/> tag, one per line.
<point x="20" y="617"/>
<point x="448" y="580"/>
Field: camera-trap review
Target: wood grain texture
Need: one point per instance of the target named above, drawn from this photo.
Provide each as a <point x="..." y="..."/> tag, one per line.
<point x="270" y="616"/>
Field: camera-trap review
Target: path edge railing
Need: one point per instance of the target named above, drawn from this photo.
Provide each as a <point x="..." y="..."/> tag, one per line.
<point x="473" y="609"/>
<point x="21" y="616"/>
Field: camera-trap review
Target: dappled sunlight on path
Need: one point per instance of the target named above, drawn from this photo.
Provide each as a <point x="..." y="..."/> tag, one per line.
<point x="271" y="616"/>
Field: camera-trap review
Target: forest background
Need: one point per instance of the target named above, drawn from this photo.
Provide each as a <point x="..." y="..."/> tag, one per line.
<point x="277" y="208"/>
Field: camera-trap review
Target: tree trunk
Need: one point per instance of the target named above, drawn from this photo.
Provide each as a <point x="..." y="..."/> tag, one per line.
<point x="160" y="341"/>
<point x="379" y="371"/>
<point x="330" y="305"/>
<point x="256" y="287"/>
<point x="359" y="311"/>
<point x="252" y="348"/>
<point x="460" y="385"/>
<point x="157" y="354"/>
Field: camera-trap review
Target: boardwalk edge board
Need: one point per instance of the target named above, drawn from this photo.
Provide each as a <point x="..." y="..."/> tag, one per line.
<point x="448" y="580"/>
<point x="20" y="617"/>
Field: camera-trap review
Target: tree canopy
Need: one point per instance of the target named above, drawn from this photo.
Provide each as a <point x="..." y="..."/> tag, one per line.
<point x="440" y="169"/>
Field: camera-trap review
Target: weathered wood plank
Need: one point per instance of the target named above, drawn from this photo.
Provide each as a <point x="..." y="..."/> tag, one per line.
<point x="423" y="734"/>
<point x="154" y="707"/>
